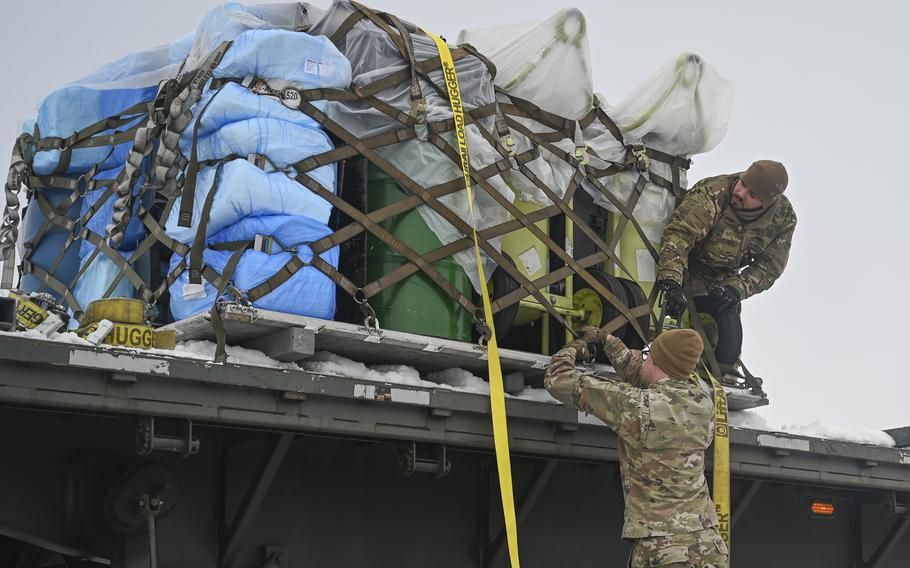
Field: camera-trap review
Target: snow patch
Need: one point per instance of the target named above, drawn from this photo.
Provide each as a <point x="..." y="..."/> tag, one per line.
<point x="755" y="421"/>
<point x="454" y="379"/>
<point x="200" y="349"/>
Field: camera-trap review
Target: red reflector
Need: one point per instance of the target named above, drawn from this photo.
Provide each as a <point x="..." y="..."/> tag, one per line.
<point x="822" y="508"/>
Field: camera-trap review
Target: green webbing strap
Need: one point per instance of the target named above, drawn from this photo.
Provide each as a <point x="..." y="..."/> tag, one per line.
<point x="418" y="106"/>
<point x="544" y="237"/>
<point x="345" y="27"/>
<point x="198" y="246"/>
<point x="217" y="324"/>
<point x="289" y="269"/>
<point x="81" y="138"/>
<point x="30" y="268"/>
<point x="415" y="188"/>
<point x="185" y="216"/>
<point x="390" y="239"/>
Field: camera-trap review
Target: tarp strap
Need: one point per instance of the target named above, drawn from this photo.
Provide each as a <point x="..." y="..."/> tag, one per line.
<point x="198" y="247"/>
<point x="185" y="215"/>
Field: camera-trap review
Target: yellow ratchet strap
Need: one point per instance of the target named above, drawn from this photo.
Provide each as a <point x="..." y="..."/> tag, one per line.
<point x="721" y="493"/>
<point x="497" y="395"/>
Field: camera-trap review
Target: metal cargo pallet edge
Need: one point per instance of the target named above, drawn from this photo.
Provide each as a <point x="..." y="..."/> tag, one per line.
<point x="51" y="375"/>
<point x="280" y="336"/>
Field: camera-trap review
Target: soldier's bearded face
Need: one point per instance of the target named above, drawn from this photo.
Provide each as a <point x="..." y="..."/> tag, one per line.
<point x="744" y="199"/>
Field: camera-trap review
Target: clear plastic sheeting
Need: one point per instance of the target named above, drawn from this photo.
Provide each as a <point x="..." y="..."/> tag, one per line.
<point x="373" y="56"/>
<point x="106" y="92"/>
<point x="231" y="19"/>
<point x="682" y="109"/>
<point x="547" y="63"/>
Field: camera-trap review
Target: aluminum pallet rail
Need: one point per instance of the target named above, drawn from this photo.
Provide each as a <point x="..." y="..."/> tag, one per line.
<point x="74" y="378"/>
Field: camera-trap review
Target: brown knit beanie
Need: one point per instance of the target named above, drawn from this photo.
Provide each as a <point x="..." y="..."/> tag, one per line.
<point x="767" y="179"/>
<point x="677" y="351"/>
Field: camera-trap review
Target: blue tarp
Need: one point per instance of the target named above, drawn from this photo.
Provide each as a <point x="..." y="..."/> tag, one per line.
<point x="245" y="190"/>
<point x="308" y="292"/>
<point x="135" y="230"/>
<point x="51" y="243"/>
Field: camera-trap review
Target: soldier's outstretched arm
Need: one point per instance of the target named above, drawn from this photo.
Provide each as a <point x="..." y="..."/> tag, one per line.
<point x="767" y="268"/>
<point x="615" y="402"/>
<point x="689" y="224"/>
<point x="627" y="362"/>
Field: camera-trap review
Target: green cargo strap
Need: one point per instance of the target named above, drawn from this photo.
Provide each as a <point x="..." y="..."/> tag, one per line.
<point x="217" y="324"/>
<point x="279" y="278"/>
<point x="545" y="238"/>
<point x="198" y="246"/>
<point x="185" y="216"/>
<point x="410" y="185"/>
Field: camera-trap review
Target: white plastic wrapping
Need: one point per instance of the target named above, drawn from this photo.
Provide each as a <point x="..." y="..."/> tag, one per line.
<point x="373" y="56"/>
<point x="547" y="63"/>
<point x="229" y="20"/>
<point x="682" y="109"/>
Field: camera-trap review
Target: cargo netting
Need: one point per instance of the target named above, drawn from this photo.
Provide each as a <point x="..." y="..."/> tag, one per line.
<point x="232" y="166"/>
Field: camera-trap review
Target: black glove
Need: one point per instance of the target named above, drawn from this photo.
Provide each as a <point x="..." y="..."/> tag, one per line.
<point x="674" y="299"/>
<point x="725" y="298"/>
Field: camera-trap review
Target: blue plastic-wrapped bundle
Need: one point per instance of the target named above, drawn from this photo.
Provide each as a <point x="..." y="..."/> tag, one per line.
<point x="260" y="196"/>
<point x="135" y="231"/>
<point x="298" y="60"/>
<point x="46" y="245"/>
<point x="245" y="190"/>
<point x="307" y="292"/>
<point x="107" y="92"/>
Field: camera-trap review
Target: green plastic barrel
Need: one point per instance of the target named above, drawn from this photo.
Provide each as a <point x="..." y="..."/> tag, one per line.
<point x="415" y="304"/>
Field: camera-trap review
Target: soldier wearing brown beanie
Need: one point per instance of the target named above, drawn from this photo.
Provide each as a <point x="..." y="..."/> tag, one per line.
<point x="664" y="418"/>
<point x="728" y="239"/>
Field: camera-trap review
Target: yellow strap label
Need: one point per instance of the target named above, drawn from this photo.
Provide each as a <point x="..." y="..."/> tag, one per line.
<point x="497" y="395"/>
<point x="139" y="336"/>
<point x="721" y="492"/>
<point x="28" y="313"/>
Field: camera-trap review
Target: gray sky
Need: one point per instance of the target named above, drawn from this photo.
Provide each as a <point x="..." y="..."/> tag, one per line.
<point x="820" y="86"/>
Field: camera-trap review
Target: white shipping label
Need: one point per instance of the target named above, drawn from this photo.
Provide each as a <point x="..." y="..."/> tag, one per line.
<point x="647" y="270"/>
<point x="530" y="259"/>
<point x="311" y="67"/>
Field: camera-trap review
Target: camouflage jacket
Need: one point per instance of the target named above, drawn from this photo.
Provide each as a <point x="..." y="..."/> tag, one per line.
<point x="705" y="236"/>
<point x="663" y="433"/>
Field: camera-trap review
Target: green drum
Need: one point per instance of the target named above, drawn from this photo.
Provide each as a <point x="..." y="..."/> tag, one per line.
<point x="415" y="304"/>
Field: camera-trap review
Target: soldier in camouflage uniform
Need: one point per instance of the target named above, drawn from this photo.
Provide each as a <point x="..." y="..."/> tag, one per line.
<point x="665" y="421"/>
<point x="731" y="234"/>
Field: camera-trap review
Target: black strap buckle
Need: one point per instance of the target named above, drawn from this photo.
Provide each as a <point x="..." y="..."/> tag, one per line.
<point x="161" y="106"/>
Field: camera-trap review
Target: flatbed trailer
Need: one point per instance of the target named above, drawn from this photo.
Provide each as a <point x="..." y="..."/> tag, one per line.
<point x="228" y="465"/>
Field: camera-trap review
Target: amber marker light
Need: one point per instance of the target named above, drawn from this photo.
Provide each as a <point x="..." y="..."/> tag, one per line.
<point x="822" y="508"/>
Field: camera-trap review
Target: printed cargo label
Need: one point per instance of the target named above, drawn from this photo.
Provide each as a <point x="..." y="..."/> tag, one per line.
<point x="530" y="261"/>
<point x="311" y="67"/>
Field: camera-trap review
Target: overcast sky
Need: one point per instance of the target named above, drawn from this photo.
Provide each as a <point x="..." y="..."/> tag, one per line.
<point x="821" y="86"/>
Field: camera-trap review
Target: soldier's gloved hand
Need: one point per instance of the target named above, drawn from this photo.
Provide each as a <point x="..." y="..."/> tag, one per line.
<point x="582" y="353"/>
<point x="593" y="334"/>
<point x="674" y="298"/>
<point x="726" y="297"/>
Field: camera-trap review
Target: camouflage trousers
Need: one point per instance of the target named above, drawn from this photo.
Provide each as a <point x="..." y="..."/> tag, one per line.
<point x="699" y="549"/>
